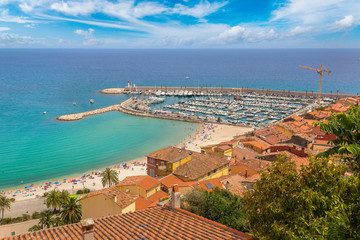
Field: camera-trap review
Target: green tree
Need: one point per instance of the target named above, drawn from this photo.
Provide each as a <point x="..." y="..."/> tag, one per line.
<point x="57" y="222"/>
<point x="53" y="199"/>
<point x="71" y="211"/>
<point x="315" y="203"/>
<point x="34" y="228"/>
<point x="220" y="206"/>
<point x="5" y="203"/>
<point x="46" y="220"/>
<point x="64" y="196"/>
<point x="194" y="202"/>
<point x="109" y="177"/>
<point x="346" y="127"/>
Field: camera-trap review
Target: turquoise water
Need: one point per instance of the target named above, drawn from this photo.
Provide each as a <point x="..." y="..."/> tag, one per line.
<point x="67" y="148"/>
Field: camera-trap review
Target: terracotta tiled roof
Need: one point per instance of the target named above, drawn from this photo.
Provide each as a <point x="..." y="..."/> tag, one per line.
<point x="122" y="199"/>
<point x="157" y="196"/>
<point x="259" y="145"/>
<point x="141" y="203"/>
<point x="170" y="180"/>
<point x="169" y="153"/>
<point x="224" y="147"/>
<point x="199" y="165"/>
<point x="210" y="184"/>
<point x="158" y="223"/>
<point x="145" y="181"/>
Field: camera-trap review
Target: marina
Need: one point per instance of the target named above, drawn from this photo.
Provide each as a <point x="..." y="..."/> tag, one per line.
<point x="241" y="107"/>
<point x="249" y="109"/>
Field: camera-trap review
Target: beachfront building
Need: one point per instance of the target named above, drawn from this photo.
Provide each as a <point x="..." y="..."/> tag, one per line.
<point x="143" y="185"/>
<point x="106" y="202"/>
<point x="165" y="222"/>
<point x="203" y="167"/>
<point x="220" y="150"/>
<point x="156" y="161"/>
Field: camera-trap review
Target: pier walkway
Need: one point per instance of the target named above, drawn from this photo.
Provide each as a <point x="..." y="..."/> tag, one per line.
<point x="78" y="116"/>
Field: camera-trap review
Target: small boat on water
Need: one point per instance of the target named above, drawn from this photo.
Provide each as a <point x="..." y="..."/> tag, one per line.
<point x="187" y="77"/>
<point x="92" y="101"/>
<point x="74" y="103"/>
<point x="44" y="112"/>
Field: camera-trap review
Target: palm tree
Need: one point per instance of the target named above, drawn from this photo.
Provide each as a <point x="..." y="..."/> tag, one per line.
<point x="71" y="211"/>
<point x="5" y="203"/>
<point x="46" y="220"/>
<point x="109" y="177"/>
<point x="57" y="222"/>
<point x="64" y="195"/>
<point x="346" y="127"/>
<point x="53" y="199"/>
<point x="306" y="93"/>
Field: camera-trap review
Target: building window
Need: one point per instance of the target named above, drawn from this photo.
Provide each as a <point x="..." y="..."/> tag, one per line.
<point x="151" y="160"/>
<point x="152" y="172"/>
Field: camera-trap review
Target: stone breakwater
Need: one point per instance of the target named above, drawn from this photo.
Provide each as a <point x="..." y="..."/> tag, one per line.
<point x="112" y="91"/>
<point x="78" y="116"/>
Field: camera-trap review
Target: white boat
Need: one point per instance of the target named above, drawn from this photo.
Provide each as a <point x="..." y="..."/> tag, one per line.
<point x="92" y="101"/>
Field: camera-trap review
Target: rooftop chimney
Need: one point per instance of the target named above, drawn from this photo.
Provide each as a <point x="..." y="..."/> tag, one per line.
<point x="175" y="197"/>
<point x="87" y="227"/>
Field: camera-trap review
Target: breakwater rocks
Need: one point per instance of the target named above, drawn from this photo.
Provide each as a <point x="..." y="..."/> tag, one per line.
<point x="78" y="116"/>
<point x="112" y="91"/>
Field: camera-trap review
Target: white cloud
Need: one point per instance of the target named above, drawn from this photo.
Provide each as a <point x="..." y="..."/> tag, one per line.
<point x="28" y="6"/>
<point x="306" y="11"/>
<point x="15" y="40"/>
<point x="200" y="10"/>
<point x="89" y="39"/>
<point x="76" y="8"/>
<point x="5" y="29"/>
<point x="241" y="34"/>
<point x="298" y="30"/>
<point x="5" y="17"/>
<point x="345" y="23"/>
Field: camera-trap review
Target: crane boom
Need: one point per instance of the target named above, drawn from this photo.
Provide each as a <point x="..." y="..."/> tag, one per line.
<point x="320" y="72"/>
<point x="309" y="68"/>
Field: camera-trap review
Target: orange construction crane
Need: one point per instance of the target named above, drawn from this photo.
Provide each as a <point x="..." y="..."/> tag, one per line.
<point x="320" y="72"/>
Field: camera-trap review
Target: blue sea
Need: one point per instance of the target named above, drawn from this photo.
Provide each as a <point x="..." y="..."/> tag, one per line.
<point x="36" y="147"/>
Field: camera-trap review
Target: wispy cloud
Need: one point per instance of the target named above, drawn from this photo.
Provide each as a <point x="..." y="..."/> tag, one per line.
<point x="4" y="29"/>
<point x="89" y="39"/>
<point x="204" y="8"/>
<point x="6" y="17"/>
<point x="15" y="40"/>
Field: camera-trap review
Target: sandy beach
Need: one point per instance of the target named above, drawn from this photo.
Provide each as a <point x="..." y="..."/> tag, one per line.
<point x="210" y="133"/>
<point x="206" y="134"/>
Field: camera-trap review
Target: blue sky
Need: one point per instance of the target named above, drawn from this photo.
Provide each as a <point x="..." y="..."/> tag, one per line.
<point x="180" y="24"/>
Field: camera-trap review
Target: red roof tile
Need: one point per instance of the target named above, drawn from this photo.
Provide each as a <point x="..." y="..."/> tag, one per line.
<point x="141" y="203"/>
<point x="122" y="199"/>
<point x="145" y="181"/>
<point x="169" y="153"/>
<point x="157" y="196"/>
<point x="170" y="180"/>
<point x="160" y="223"/>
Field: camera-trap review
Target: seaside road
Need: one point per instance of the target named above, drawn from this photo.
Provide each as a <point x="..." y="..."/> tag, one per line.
<point x="20" y="207"/>
<point x="18" y="228"/>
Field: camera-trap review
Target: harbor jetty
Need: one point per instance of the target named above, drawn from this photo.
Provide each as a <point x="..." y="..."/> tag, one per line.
<point x="78" y="116"/>
<point x="224" y="91"/>
<point x="112" y="91"/>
